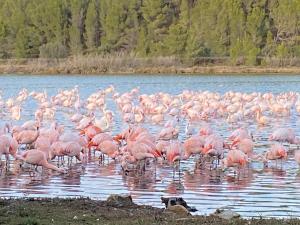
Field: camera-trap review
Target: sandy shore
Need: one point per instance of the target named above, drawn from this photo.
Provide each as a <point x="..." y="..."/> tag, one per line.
<point x="85" y="211"/>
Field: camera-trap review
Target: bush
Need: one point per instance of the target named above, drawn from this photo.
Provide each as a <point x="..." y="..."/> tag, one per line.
<point x="30" y="221"/>
<point x="53" y="50"/>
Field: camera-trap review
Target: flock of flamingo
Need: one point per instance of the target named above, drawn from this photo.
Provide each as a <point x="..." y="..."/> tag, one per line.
<point x="43" y="138"/>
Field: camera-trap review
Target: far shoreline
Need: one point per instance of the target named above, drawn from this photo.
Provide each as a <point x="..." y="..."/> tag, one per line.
<point x="196" y="71"/>
<point x="127" y="66"/>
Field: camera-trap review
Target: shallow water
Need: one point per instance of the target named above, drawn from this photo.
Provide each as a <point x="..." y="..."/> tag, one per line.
<point x="258" y="191"/>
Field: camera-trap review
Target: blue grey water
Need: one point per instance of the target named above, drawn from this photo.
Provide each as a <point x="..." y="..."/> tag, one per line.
<point x="268" y="192"/>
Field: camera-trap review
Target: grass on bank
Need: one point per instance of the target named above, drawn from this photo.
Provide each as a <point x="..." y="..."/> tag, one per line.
<point x="85" y="211"/>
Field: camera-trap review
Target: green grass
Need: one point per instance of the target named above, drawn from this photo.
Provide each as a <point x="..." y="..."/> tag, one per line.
<point x="86" y="211"/>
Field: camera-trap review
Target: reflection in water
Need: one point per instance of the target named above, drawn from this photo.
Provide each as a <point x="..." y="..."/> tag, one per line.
<point x="240" y="182"/>
<point x="175" y="188"/>
<point x="256" y="191"/>
<point x="135" y="181"/>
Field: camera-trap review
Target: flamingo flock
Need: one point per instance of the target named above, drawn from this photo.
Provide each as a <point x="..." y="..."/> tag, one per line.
<point x="158" y="128"/>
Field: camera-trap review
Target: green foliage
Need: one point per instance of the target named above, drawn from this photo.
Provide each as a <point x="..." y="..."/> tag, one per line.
<point x="142" y="48"/>
<point x="243" y="30"/>
<point x="176" y="40"/>
<point x="77" y="29"/>
<point x="30" y="221"/>
<point x="93" y="25"/>
<point x="53" y="50"/>
<point x="158" y="16"/>
<point x="244" y="52"/>
<point x="27" y="43"/>
<point x="282" y="51"/>
<point x="236" y="52"/>
<point x="251" y="52"/>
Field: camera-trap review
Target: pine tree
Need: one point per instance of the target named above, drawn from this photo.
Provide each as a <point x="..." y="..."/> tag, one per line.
<point x="132" y="24"/>
<point x="142" y="47"/>
<point x="158" y="17"/>
<point x="245" y="30"/>
<point x="176" y="40"/>
<point x="113" y="20"/>
<point x="77" y="29"/>
<point x="93" y="25"/>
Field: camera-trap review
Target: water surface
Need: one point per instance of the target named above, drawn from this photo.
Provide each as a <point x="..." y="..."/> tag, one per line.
<point x="259" y="191"/>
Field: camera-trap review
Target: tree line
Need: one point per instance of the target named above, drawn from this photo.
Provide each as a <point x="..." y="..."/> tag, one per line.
<point x="246" y="31"/>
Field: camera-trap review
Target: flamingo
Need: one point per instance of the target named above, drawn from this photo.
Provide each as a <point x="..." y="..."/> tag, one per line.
<point x="193" y="145"/>
<point x="284" y="135"/>
<point x="173" y="153"/>
<point x="8" y="146"/>
<point x="109" y="148"/>
<point x="235" y="158"/>
<point x="277" y="151"/>
<point x="38" y="158"/>
<point x="27" y="137"/>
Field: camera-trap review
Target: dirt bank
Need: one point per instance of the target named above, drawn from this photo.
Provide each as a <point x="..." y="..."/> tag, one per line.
<point x="85" y="211"/>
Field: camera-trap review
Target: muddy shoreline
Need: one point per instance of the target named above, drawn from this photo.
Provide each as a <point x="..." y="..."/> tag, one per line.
<point x="86" y="211"/>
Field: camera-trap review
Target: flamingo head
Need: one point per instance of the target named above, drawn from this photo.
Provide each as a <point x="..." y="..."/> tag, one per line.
<point x="118" y="138"/>
<point x="203" y="132"/>
<point x="227" y="146"/>
<point x="207" y="148"/>
<point x="235" y="142"/>
<point x="243" y="161"/>
<point x="282" y="153"/>
<point x="173" y="156"/>
<point x="156" y="153"/>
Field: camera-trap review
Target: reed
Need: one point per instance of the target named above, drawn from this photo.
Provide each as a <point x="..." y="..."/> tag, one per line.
<point x="127" y="64"/>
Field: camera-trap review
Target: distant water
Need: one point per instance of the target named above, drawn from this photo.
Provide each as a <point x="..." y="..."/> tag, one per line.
<point x="270" y="192"/>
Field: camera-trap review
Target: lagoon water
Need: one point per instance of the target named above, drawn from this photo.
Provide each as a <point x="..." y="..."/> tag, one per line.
<point x="259" y="191"/>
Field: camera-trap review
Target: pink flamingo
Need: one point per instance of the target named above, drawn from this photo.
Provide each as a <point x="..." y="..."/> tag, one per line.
<point x="109" y="148"/>
<point x="90" y="131"/>
<point x="8" y="146"/>
<point x="69" y="149"/>
<point x="38" y="158"/>
<point x="173" y="155"/>
<point x="174" y="152"/>
<point x="57" y="149"/>
<point x="168" y="133"/>
<point x="235" y="158"/>
<point x="214" y="146"/>
<point x="246" y="145"/>
<point x="27" y="137"/>
<point x="277" y="151"/>
<point x="72" y="149"/>
<point x="5" y="129"/>
<point x="43" y="143"/>
<point x="98" y="139"/>
<point x="161" y="146"/>
<point x="193" y="145"/>
<point x="285" y="135"/>
<point x="238" y="135"/>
